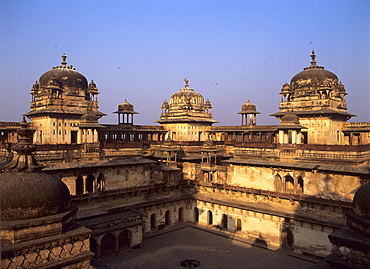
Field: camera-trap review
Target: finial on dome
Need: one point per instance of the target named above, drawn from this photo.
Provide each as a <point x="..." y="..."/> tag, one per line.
<point x="313" y="57"/>
<point x="186" y="83"/>
<point x="64" y="58"/>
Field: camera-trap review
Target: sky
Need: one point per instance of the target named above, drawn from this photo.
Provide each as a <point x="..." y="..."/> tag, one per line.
<point x="231" y="51"/>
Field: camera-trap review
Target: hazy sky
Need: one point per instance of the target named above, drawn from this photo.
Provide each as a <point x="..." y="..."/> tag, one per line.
<point x="230" y="51"/>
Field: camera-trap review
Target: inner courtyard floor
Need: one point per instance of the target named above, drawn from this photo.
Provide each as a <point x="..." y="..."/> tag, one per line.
<point x="166" y="249"/>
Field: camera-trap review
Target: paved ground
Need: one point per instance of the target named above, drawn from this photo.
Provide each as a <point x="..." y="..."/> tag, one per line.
<point x="166" y="250"/>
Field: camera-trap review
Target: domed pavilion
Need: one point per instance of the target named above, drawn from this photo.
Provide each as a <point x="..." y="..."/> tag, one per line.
<point x="59" y="98"/>
<point x="187" y="117"/>
<point x="318" y="98"/>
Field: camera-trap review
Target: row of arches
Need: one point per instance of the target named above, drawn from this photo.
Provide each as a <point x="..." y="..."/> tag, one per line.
<point x="289" y="184"/>
<point x="111" y="243"/>
<point x="89" y="184"/>
<point x="168" y="219"/>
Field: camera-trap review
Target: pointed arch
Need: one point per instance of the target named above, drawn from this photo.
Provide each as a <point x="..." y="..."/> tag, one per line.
<point x="124" y="240"/>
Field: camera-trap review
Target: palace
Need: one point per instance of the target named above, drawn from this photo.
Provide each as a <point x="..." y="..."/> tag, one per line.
<point x="286" y="185"/>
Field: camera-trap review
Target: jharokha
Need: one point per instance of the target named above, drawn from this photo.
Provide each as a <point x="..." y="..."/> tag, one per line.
<point x="73" y="188"/>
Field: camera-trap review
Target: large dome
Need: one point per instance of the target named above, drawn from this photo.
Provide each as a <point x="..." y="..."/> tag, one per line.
<point x="32" y="195"/>
<point x="67" y="77"/>
<point x="313" y="76"/>
<point x="187" y="98"/>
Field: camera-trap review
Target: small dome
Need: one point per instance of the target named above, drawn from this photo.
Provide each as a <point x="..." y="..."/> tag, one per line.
<point x="286" y="88"/>
<point x="248" y="106"/>
<point x="208" y="105"/>
<point x="125" y="107"/>
<point x="67" y="77"/>
<point x="165" y="105"/>
<point x="290" y="119"/>
<point x="92" y="88"/>
<point x="209" y="143"/>
<point x="89" y="117"/>
<point x="361" y="202"/>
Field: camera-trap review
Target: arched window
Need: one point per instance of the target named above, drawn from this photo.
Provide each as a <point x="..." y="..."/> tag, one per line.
<point x="79" y="185"/>
<point x="289" y="184"/>
<point x="90" y="183"/>
<point x="278" y="183"/>
<point x="101" y="182"/>
<point x="238" y="225"/>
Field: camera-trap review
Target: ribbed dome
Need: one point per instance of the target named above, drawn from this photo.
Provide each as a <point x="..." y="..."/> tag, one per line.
<point x="187" y="98"/>
<point x="125" y="107"/>
<point x="67" y="77"/>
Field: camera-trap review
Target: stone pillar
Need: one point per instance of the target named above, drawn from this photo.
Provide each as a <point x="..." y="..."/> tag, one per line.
<point x="281" y="136"/>
<point x="294" y="136"/>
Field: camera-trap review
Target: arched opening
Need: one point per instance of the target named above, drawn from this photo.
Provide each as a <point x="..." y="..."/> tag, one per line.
<point x="181" y="214"/>
<point x="224" y="222"/>
<point x="79" y="185"/>
<point x="153" y="222"/>
<point x="90" y="183"/>
<point x="289" y="184"/>
<point x="196" y="214"/>
<point x="107" y="246"/>
<point x="288" y="238"/>
<point x="167" y="218"/>
<point x="210" y="217"/>
<point x="278" y="183"/>
<point x="124" y="240"/>
<point x="300" y="185"/>
<point x="238" y="225"/>
<point x="100" y="183"/>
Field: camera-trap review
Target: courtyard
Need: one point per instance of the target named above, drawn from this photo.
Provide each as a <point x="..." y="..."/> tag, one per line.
<point x="202" y="249"/>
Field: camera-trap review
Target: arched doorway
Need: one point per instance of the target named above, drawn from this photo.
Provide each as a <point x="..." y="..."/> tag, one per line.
<point x="224" y="222"/>
<point x="124" y="240"/>
<point x="79" y="185"/>
<point x="90" y="183"/>
<point x="167" y="218"/>
<point x="196" y="214"/>
<point x="210" y="217"/>
<point x="153" y="222"/>
<point x="181" y="214"/>
<point x="287" y="238"/>
<point x="238" y="225"/>
<point x="107" y="246"/>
